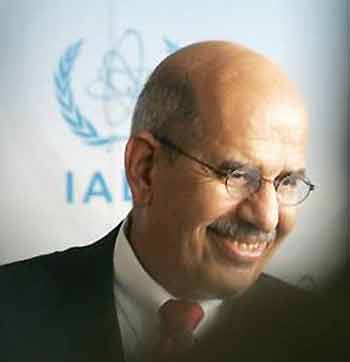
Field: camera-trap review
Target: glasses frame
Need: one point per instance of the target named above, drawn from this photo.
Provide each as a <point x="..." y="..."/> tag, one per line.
<point x="166" y="142"/>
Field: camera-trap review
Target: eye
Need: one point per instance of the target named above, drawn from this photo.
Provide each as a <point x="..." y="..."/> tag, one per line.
<point x="293" y="189"/>
<point x="237" y="174"/>
<point x="239" y="178"/>
<point x="290" y="181"/>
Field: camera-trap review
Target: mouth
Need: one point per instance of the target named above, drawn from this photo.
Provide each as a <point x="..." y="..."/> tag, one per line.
<point x="242" y="251"/>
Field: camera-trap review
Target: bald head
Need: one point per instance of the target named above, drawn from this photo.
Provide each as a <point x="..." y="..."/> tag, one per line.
<point x="176" y="97"/>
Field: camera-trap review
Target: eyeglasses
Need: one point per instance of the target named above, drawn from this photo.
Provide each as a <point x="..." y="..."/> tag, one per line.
<point x="242" y="182"/>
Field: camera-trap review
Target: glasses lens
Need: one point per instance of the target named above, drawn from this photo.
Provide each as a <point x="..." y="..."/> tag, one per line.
<point x="242" y="182"/>
<point x="292" y="190"/>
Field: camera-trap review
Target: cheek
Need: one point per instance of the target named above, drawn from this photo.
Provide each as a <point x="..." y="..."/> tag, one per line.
<point x="287" y="220"/>
<point x="191" y="202"/>
<point x="208" y="199"/>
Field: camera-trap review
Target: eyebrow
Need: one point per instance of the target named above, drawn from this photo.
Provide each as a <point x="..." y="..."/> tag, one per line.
<point x="230" y="165"/>
<point x="299" y="172"/>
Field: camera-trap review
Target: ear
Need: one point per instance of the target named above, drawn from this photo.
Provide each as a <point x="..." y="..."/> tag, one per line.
<point x="139" y="166"/>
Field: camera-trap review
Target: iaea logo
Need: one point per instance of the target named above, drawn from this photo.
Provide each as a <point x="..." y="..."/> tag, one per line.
<point x="117" y="85"/>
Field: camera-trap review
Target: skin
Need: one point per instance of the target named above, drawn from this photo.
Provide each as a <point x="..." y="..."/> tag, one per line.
<point x="249" y="113"/>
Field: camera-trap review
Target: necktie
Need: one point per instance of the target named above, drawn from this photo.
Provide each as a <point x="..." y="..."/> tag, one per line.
<point x="179" y="319"/>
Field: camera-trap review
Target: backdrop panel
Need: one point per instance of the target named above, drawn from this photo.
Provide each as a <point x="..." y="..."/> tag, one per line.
<point x="71" y="72"/>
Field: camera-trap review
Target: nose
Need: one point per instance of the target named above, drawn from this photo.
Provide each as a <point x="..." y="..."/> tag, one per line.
<point x="261" y="209"/>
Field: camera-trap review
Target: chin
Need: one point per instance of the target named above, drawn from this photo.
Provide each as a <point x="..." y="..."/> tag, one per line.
<point x="232" y="283"/>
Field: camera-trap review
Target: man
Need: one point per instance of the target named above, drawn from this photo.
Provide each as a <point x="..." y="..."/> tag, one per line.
<point x="216" y="167"/>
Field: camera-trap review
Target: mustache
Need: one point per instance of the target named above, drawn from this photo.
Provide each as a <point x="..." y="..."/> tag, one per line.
<point x="241" y="231"/>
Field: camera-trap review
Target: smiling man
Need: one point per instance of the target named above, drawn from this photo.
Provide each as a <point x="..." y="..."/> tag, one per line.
<point x="216" y="166"/>
<point x="205" y="223"/>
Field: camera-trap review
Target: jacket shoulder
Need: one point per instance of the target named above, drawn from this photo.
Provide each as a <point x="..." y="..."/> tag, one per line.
<point x="277" y="288"/>
<point x="56" y="266"/>
<point x="55" y="297"/>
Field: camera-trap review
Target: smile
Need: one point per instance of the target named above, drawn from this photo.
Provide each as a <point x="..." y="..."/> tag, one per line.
<point x="240" y="251"/>
<point x="247" y="249"/>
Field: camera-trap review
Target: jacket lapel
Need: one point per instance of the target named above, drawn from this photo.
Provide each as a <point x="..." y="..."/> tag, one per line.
<point x="102" y="337"/>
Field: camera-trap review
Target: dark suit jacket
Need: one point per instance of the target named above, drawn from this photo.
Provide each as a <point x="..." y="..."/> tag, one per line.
<point x="60" y="307"/>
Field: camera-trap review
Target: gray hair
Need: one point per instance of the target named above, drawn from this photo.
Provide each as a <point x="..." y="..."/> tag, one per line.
<point x="166" y="105"/>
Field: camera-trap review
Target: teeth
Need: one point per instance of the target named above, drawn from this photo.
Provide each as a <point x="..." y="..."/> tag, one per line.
<point x="250" y="246"/>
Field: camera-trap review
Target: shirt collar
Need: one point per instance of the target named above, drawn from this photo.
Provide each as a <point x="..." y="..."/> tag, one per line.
<point x="141" y="289"/>
<point x="133" y="279"/>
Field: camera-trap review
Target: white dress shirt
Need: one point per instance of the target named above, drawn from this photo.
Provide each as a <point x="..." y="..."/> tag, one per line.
<point x="138" y="298"/>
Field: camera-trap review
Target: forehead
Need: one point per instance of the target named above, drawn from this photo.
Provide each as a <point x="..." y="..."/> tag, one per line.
<point x="253" y="122"/>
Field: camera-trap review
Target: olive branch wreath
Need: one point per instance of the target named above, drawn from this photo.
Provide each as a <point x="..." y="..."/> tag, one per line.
<point x="70" y="111"/>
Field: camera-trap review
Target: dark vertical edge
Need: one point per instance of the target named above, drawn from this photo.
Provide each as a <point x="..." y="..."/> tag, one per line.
<point x="348" y="134"/>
